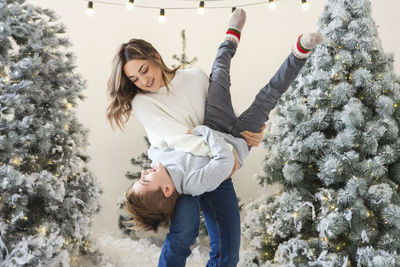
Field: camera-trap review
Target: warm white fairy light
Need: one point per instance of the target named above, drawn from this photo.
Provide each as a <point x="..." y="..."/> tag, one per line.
<point x="304" y="5"/>
<point x="68" y="106"/>
<point x="90" y="10"/>
<point x="17" y="160"/>
<point x="272" y="4"/>
<point x="201" y="10"/>
<point x="162" y="18"/>
<point x="129" y="4"/>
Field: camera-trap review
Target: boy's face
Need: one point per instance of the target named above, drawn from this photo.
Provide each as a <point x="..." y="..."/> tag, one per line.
<point x="153" y="179"/>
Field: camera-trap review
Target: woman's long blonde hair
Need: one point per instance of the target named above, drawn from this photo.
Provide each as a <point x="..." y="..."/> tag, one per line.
<point x="120" y="89"/>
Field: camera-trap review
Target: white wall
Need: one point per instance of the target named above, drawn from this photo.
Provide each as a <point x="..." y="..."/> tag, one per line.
<point x="265" y="43"/>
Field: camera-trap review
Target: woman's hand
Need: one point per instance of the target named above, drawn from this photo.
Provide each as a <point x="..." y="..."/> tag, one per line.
<point x="253" y="139"/>
<point x="189" y="131"/>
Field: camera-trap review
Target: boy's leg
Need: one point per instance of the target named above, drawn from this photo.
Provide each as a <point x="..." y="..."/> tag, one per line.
<point x="219" y="97"/>
<point x="254" y="117"/>
<point x="257" y="114"/>
<point x="219" y="114"/>
<point x="223" y="119"/>
<point x="182" y="234"/>
<point x="221" y="214"/>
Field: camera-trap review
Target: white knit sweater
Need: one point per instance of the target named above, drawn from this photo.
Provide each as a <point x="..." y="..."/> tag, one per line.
<point x="167" y="116"/>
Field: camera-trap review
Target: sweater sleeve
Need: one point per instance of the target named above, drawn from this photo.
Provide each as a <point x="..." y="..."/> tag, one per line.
<point x="209" y="177"/>
<point x="164" y="130"/>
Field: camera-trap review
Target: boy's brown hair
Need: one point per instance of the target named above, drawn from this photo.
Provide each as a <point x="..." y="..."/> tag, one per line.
<point x="151" y="209"/>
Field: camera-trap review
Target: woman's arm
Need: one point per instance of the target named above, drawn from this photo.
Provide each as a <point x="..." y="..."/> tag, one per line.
<point x="166" y="131"/>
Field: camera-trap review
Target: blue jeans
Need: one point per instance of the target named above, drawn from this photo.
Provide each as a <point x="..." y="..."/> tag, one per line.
<point x="220" y="207"/>
<point x="221" y="214"/>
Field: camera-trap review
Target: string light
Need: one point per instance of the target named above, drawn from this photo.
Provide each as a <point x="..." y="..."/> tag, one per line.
<point x="162" y="18"/>
<point x="90" y="10"/>
<point x="200" y="10"/>
<point x="129" y="4"/>
<point x="304" y="4"/>
<point x="272" y="4"/>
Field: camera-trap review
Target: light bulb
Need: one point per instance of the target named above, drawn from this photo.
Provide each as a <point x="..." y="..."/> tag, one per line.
<point x="90" y="10"/>
<point x="304" y="4"/>
<point x="129" y="4"/>
<point x="201" y="10"/>
<point x="162" y="18"/>
<point x="272" y="4"/>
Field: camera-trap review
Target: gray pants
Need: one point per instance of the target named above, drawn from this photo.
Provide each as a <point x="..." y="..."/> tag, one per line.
<point x="219" y="114"/>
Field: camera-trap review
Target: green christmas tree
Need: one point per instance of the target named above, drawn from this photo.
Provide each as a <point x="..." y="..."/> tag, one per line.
<point x="183" y="60"/>
<point x="334" y="146"/>
<point x="139" y="163"/>
<point x="47" y="195"/>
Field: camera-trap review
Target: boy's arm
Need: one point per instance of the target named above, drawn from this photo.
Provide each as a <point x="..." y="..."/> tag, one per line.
<point x="221" y="165"/>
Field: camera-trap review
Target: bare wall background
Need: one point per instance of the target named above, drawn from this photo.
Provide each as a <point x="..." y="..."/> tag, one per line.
<point x="266" y="40"/>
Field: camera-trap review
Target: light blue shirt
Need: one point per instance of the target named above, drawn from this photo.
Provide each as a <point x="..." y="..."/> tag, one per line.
<point x="194" y="175"/>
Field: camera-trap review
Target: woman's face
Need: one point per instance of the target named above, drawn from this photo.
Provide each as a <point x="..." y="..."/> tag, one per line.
<point x="144" y="74"/>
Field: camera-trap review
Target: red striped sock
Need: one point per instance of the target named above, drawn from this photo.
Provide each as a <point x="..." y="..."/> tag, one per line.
<point x="233" y="35"/>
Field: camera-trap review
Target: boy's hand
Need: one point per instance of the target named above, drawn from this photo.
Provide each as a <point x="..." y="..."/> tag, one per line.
<point x="190" y="131"/>
<point x="236" y="166"/>
<point x="253" y="139"/>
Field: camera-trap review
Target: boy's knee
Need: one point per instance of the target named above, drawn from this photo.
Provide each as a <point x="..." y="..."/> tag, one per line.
<point x="220" y="74"/>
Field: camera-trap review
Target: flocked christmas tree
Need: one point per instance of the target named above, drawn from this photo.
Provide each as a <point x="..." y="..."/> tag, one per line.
<point x="334" y="145"/>
<point x="47" y="195"/>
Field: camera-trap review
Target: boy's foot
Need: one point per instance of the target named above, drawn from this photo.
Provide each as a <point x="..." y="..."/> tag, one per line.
<point x="305" y="43"/>
<point x="235" y="25"/>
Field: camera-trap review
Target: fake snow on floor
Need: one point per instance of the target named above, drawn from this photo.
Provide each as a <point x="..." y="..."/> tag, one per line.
<point x="127" y="252"/>
<point x="121" y="252"/>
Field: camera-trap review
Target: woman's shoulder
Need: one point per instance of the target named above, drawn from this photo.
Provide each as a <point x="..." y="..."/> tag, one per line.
<point x="140" y="101"/>
<point x="194" y="72"/>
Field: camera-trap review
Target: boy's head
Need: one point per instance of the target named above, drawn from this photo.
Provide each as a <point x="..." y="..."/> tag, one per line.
<point x="151" y="200"/>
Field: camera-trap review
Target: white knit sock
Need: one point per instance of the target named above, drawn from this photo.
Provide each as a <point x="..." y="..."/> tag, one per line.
<point x="305" y="43"/>
<point x="235" y="25"/>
